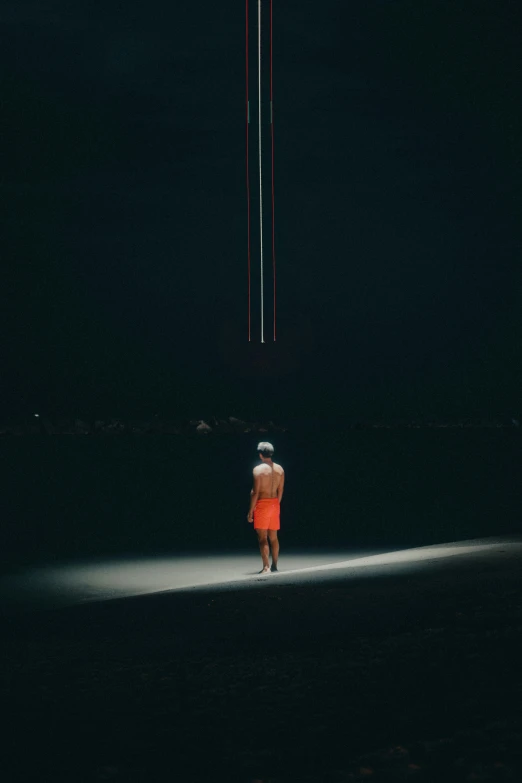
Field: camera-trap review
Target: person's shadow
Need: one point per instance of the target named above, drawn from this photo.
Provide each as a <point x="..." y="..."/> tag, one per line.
<point x="258" y="573"/>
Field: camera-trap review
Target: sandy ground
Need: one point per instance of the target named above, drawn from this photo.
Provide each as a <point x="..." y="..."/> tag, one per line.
<point x="387" y="666"/>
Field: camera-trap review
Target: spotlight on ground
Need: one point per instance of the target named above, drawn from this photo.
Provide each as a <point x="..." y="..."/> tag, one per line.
<point x="102" y="580"/>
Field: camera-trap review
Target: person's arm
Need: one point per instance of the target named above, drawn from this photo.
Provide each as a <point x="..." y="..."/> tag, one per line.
<point x="281" y="487"/>
<point x="254" y="494"/>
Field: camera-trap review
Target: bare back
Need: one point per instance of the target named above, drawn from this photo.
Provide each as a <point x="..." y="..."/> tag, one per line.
<point x="270" y="480"/>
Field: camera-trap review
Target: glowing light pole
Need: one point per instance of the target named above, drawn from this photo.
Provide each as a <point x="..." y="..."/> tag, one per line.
<point x="260" y="161"/>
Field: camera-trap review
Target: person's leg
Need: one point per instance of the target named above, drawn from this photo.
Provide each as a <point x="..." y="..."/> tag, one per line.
<point x="274" y="546"/>
<point x="263" y="547"/>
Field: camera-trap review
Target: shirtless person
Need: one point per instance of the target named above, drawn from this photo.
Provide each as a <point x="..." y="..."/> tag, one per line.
<point x="265" y="499"/>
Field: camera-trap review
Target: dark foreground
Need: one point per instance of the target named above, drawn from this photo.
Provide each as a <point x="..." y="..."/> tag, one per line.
<point x="394" y="678"/>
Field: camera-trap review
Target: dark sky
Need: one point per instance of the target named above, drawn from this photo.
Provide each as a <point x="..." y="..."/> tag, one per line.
<point x="398" y="185"/>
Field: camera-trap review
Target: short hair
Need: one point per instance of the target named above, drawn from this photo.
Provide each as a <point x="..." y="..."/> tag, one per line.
<point x="265" y="448"/>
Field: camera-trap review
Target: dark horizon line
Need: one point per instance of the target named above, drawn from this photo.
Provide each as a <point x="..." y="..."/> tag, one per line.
<point x="211" y="425"/>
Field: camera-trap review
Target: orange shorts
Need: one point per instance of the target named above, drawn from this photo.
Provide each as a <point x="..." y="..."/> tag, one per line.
<point x="266" y="514"/>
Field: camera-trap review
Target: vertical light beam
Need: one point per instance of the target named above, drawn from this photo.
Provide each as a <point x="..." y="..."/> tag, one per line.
<point x="260" y="45"/>
<point x="247" y="172"/>
<point x="260" y="175"/>
<point x="272" y="137"/>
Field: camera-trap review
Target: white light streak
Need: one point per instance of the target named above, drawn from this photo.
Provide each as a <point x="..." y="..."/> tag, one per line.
<point x="260" y="177"/>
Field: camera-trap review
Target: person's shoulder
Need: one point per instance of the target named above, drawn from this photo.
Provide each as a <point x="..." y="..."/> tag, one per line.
<point x="278" y="467"/>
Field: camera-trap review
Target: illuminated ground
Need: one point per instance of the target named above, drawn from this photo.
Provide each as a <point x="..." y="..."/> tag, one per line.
<point x="344" y="667"/>
<point x="102" y="580"/>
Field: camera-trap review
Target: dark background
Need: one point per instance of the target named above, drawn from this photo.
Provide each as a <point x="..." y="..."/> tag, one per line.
<point x="398" y="192"/>
<point x="398" y="130"/>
